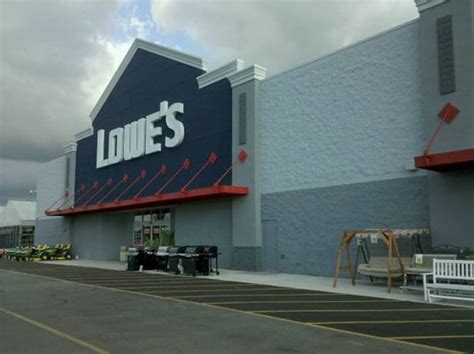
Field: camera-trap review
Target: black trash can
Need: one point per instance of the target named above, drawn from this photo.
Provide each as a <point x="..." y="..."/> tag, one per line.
<point x="162" y="256"/>
<point x="136" y="258"/>
<point x="150" y="261"/>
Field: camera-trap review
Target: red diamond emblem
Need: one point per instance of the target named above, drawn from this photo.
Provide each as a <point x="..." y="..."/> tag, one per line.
<point x="449" y="112"/>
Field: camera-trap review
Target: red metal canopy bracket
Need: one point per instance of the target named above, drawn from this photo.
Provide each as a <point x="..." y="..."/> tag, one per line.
<point x="215" y="191"/>
<point x="108" y="183"/>
<point x="65" y="195"/>
<point x="184" y="166"/>
<point x="94" y="186"/>
<point x="447" y="115"/>
<point x="161" y="172"/>
<point x="153" y="200"/>
<point x="142" y="175"/>
<point x="210" y="161"/>
<point x="447" y="161"/>
<point x="241" y="157"/>
<point x="81" y="189"/>
<point x="124" y="179"/>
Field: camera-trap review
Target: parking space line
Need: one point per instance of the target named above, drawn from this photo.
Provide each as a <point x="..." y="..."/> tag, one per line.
<point x="364" y="310"/>
<point x="55" y="331"/>
<point x="434" y="337"/>
<point x="391" y="322"/>
<point x="260" y="315"/>
<point x="296" y="302"/>
<point x="157" y="287"/>
<point x="217" y="290"/>
<point x="254" y="295"/>
<point x="174" y="284"/>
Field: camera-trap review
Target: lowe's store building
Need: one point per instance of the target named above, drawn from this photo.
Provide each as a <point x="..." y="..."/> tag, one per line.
<point x="273" y="170"/>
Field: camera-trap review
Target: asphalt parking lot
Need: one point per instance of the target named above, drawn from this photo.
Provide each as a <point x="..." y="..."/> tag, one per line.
<point x="122" y="311"/>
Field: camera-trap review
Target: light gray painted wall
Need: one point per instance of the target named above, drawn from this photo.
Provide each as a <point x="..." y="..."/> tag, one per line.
<point x="352" y="116"/>
<point x="52" y="230"/>
<point x="459" y="134"/>
<point x="310" y="222"/>
<point x="246" y="224"/>
<point x="451" y="202"/>
<point x="206" y="223"/>
<point x="50" y="185"/>
<point x="100" y="236"/>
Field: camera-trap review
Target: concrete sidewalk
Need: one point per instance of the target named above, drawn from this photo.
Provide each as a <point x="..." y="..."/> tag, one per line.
<point x="297" y="281"/>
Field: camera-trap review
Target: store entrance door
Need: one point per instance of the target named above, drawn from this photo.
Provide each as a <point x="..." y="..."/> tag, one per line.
<point x="153" y="228"/>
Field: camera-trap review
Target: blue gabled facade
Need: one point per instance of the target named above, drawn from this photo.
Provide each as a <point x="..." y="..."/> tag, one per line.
<point x="148" y="80"/>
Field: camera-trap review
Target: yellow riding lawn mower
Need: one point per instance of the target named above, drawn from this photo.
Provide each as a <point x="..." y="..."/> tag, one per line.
<point x="59" y="251"/>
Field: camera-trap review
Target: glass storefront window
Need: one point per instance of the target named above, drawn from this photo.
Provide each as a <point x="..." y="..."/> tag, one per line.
<point x="151" y="226"/>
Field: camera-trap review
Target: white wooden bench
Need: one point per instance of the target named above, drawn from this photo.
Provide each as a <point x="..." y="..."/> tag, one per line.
<point x="452" y="279"/>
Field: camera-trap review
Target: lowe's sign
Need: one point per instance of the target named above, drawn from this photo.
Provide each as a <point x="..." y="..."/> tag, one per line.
<point x="141" y="137"/>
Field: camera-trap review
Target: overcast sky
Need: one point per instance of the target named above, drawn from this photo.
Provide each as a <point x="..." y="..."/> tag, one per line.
<point x="56" y="57"/>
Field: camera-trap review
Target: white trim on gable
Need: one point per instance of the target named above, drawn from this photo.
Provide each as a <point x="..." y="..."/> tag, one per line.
<point x="253" y="72"/>
<point x="220" y="73"/>
<point x="84" y="134"/>
<point x="71" y="147"/>
<point x="172" y="54"/>
<point x="423" y="5"/>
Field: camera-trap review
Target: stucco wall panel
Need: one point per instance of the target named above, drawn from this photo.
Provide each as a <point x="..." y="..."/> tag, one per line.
<point x="351" y="116"/>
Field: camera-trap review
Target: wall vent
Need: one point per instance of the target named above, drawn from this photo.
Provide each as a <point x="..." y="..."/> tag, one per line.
<point x="444" y="32"/>
<point x="243" y="118"/>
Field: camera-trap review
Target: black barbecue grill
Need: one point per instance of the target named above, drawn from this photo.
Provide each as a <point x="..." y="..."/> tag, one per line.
<point x="198" y="259"/>
<point x="174" y="259"/>
<point x="191" y="260"/>
<point x="162" y="257"/>
<point x="135" y="258"/>
<point x="211" y="252"/>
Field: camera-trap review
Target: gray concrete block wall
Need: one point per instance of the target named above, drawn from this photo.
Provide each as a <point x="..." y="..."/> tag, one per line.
<point x="452" y="208"/>
<point x="206" y="223"/>
<point x="310" y="221"/>
<point x="100" y="236"/>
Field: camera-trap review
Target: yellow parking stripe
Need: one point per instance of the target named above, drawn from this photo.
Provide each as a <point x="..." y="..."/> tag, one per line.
<point x="365" y="310"/>
<point x="55" y="331"/>
<point x="295" y="302"/>
<point x="427" y="321"/>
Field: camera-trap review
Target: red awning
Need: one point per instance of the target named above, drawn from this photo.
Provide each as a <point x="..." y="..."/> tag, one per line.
<point x="446" y="161"/>
<point x="217" y="191"/>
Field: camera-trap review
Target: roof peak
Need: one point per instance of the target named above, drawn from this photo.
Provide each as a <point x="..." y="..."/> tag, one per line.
<point x="151" y="47"/>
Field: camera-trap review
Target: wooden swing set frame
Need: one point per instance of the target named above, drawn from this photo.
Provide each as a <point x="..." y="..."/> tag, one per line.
<point x="387" y="236"/>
